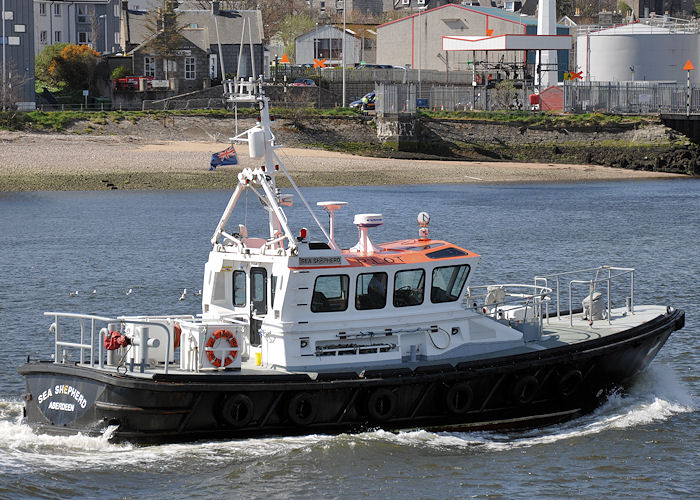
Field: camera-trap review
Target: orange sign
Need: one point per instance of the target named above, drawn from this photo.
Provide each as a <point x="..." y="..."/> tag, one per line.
<point x="285" y="59"/>
<point x="578" y="75"/>
<point x="688" y="66"/>
<point x="319" y="63"/>
<point x="489" y="32"/>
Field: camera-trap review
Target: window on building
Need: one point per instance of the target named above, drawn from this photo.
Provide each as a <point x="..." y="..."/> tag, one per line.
<point x="329" y="48"/>
<point x="82" y="14"/>
<point x="42" y="9"/>
<point x="190" y="68"/>
<point x="84" y="37"/>
<point x="408" y="287"/>
<point x="149" y="66"/>
<point x="330" y="293"/>
<point x="448" y="283"/>
<point x="57" y="9"/>
<point x="43" y="37"/>
<point x="117" y="10"/>
<point x="56" y="36"/>
<point x="370" y="291"/>
<point x="213" y="66"/>
<point x="117" y="38"/>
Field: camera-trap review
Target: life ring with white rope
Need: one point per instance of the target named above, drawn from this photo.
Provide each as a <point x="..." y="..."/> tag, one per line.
<point x="230" y="354"/>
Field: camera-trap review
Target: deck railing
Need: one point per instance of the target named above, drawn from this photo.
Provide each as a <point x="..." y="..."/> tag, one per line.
<point x="517" y="297"/>
<point x="88" y="347"/>
<point x="613" y="273"/>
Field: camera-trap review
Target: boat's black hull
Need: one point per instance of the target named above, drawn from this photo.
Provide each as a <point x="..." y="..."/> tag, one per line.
<point x="508" y="392"/>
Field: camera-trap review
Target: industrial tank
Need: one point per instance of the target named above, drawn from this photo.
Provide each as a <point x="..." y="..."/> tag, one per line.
<point x="638" y="52"/>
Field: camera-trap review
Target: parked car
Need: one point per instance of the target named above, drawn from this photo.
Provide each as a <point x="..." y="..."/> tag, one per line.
<point x="303" y="82"/>
<point x="370" y="101"/>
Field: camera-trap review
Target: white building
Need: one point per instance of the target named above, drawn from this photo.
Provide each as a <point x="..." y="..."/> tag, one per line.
<point x="86" y="22"/>
<point x="326" y="42"/>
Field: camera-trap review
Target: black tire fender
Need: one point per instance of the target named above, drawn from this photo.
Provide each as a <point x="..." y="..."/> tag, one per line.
<point x="459" y="398"/>
<point x="569" y="383"/>
<point x="302" y="408"/>
<point x="524" y="389"/>
<point x="381" y="404"/>
<point x="237" y="410"/>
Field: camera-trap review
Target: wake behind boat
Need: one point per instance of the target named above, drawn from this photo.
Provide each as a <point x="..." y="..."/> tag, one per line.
<point x="297" y="335"/>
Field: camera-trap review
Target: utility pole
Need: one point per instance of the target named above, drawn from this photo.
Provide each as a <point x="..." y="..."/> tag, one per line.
<point x="4" y="52"/>
<point x="344" y="34"/>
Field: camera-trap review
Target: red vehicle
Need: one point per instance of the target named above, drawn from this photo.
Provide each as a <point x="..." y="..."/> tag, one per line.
<point x="130" y="83"/>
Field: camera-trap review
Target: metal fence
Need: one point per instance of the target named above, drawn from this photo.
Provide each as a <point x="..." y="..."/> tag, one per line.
<point x="370" y="75"/>
<point x="392" y="99"/>
<point x="405" y="98"/>
<point x="177" y="104"/>
<point x="629" y="97"/>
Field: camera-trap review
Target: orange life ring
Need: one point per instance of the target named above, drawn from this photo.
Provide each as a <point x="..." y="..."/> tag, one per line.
<point x="177" y="331"/>
<point x="232" y="353"/>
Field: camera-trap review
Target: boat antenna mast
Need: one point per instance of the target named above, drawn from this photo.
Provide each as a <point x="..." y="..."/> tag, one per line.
<point x="261" y="144"/>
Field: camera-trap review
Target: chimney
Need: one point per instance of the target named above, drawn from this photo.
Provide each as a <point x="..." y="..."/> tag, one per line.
<point x="215" y="7"/>
<point x="124" y="26"/>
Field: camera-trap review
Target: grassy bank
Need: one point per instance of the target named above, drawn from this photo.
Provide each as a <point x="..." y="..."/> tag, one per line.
<point x="56" y="121"/>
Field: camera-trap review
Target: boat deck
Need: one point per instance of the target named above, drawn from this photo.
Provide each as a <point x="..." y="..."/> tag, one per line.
<point x="557" y="331"/>
<point x="564" y="331"/>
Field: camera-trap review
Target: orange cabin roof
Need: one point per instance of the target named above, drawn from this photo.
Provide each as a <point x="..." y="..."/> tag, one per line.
<point x="404" y="252"/>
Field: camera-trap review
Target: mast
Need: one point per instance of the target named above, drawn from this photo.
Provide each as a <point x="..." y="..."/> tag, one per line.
<point x="261" y="144"/>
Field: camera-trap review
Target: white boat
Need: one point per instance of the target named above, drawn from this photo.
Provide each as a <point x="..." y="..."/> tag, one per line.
<point x="297" y="335"/>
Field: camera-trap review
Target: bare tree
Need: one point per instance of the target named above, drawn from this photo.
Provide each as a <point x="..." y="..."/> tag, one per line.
<point x="166" y="32"/>
<point x="273" y="12"/>
<point x="11" y="89"/>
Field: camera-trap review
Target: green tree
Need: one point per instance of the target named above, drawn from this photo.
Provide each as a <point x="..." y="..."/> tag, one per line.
<point x="293" y="26"/>
<point x="65" y="65"/>
<point x="44" y="60"/>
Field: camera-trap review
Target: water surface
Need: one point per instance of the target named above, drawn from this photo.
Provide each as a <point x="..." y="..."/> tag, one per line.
<point x="640" y="444"/>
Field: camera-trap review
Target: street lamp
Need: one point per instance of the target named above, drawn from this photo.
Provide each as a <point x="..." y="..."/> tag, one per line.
<point x="104" y="16"/>
<point x="420" y="48"/>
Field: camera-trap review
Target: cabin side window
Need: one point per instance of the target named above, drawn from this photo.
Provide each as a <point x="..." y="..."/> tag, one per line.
<point x="273" y="289"/>
<point x="239" y="288"/>
<point x="258" y="289"/>
<point x="448" y="282"/>
<point x="409" y="287"/>
<point x="330" y="293"/>
<point x="370" y="291"/>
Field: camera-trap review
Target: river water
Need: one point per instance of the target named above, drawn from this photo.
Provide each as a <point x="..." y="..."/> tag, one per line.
<point x="640" y="444"/>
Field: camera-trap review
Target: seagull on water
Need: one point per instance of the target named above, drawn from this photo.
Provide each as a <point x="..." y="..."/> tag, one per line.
<point x="129" y="292"/>
<point x="73" y="294"/>
<point x="94" y="291"/>
<point x="198" y="293"/>
<point x="184" y="292"/>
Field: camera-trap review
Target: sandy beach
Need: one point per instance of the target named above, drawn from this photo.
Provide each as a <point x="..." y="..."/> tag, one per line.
<point x="83" y="162"/>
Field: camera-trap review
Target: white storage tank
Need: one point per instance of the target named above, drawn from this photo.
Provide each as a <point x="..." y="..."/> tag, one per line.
<point x="638" y="52"/>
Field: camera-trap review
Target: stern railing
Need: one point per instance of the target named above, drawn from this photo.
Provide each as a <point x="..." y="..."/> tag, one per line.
<point x="113" y="324"/>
